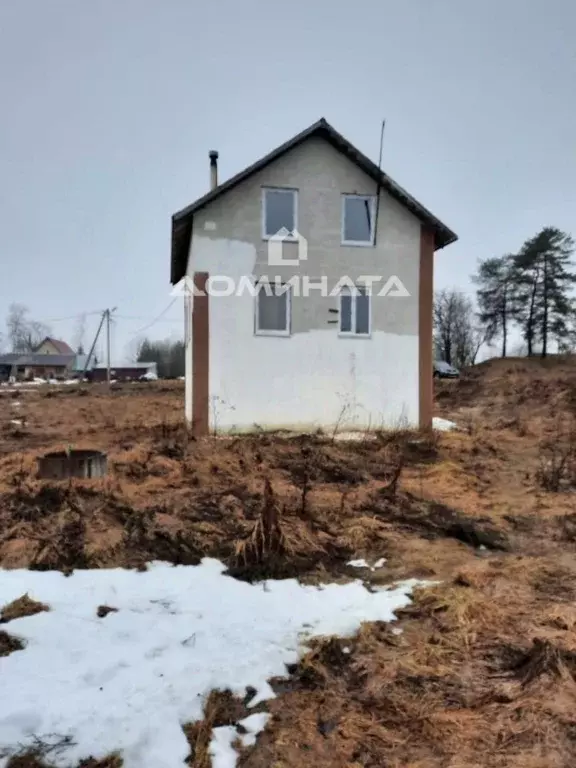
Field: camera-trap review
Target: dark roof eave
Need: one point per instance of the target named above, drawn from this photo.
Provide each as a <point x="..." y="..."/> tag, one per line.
<point x="182" y="220"/>
<point x="36" y="360"/>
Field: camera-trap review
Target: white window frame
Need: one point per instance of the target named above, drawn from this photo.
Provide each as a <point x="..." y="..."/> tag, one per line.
<point x="360" y="243"/>
<point x="352" y="333"/>
<point x="288" y="238"/>
<point x="263" y="331"/>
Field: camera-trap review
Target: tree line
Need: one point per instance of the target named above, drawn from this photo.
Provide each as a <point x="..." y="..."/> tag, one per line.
<point x="529" y="291"/>
<point x="168" y="356"/>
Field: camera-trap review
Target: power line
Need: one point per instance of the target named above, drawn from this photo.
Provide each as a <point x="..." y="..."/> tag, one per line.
<point x="153" y="321"/>
<point x="144" y="317"/>
<point x="71" y="317"/>
<point x="156" y="319"/>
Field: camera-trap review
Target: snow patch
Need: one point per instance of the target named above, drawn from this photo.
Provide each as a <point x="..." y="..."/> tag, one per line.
<point x="354" y="437"/>
<point x="363" y="564"/>
<point x="129" y="682"/>
<point x="221" y="750"/>
<point x="254" y="724"/>
<point x="443" y="425"/>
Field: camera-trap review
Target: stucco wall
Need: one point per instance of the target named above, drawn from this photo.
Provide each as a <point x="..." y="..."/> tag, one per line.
<point x="314" y="377"/>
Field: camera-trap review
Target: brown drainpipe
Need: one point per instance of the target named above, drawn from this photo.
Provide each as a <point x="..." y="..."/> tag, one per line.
<point x="201" y="356"/>
<point x="213" y="155"/>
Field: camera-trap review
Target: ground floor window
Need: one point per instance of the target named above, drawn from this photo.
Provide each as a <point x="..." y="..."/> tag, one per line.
<point x="273" y="309"/>
<point x="355" y="311"/>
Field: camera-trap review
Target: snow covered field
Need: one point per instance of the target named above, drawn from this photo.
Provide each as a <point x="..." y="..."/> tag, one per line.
<point x="128" y="681"/>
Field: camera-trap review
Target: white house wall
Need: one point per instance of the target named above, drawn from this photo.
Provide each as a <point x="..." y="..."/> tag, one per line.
<point x="313" y="378"/>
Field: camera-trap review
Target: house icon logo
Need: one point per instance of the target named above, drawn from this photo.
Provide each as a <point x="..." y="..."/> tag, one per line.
<point x="276" y="246"/>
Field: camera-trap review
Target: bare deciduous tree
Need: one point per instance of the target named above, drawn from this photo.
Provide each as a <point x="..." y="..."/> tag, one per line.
<point x="458" y="333"/>
<point x="79" y="334"/>
<point x="24" y="334"/>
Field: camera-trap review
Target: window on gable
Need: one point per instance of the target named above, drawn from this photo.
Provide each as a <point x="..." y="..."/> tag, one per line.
<point x="273" y="309"/>
<point x="355" y="312"/>
<point x="358" y="215"/>
<point x="279" y="212"/>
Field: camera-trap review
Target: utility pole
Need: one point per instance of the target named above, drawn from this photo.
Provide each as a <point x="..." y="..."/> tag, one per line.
<point x="87" y="364"/>
<point x="108" y="313"/>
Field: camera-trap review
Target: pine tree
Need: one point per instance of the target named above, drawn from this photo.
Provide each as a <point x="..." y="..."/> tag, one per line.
<point x="543" y="276"/>
<point x="168" y="356"/>
<point x="496" y="296"/>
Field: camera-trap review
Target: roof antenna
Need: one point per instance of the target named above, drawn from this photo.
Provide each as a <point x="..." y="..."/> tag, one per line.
<point x="381" y="144"/>
<point x="379" y="179"/>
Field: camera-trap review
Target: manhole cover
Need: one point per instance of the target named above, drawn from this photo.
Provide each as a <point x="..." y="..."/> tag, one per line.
<point x="63" y="464"/>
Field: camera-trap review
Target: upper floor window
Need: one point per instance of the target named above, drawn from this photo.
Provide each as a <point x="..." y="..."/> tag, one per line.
<point x="279" y="212"/>
<point x="358" y="216"/>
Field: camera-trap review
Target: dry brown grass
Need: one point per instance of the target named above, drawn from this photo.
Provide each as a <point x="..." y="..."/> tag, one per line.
<point x="450" y="690"/>
<point x="482" y="674"/>
<point x="112" y="761"/>
<point x="22" y="606"/>
<point x="9" y="644"/>
<point x="48" y="750"/>
<point x="36" y="759"/>
<point x="220" y="708"/>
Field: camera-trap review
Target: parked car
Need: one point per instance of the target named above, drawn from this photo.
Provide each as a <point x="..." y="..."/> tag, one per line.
<point x="443" y="370"/>
<point x="149" y="376"/>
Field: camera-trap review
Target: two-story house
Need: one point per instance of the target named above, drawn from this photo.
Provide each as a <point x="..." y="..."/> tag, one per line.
<point x="312" y="275"/>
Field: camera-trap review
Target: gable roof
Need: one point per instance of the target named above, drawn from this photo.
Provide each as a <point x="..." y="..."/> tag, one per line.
<point x="182" y="221"/>
<point x="61" y="346"/>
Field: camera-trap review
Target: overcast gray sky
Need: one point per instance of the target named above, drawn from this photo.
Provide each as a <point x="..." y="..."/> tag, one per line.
<point x="108" y="109"/>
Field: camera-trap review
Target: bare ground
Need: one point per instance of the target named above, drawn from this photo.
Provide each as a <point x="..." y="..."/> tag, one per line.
<point x="483" y="672"/>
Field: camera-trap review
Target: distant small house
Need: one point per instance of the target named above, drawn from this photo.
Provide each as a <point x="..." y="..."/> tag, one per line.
<point x="33" y="365"/>
<point x="127" y="372"/>
<point x="51" y="359"/>
<point x="52" y="346"/>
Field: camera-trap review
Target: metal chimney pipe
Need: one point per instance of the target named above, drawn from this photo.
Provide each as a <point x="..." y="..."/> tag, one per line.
<point x="213" y="155"/>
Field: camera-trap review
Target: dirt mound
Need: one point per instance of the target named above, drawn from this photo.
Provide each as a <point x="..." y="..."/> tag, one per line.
<point x="501" y="385"/>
